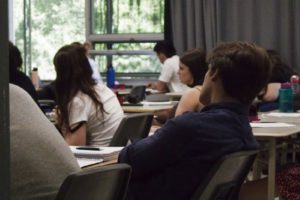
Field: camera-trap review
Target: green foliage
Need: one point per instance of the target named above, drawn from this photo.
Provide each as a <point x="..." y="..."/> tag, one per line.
<point x="55" y="23"/>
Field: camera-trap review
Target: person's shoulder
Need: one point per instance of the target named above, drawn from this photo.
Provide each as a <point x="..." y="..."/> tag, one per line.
<point x="191" y="91"/>
<point x="172" y="60"/>
<point x="17" y="90"/>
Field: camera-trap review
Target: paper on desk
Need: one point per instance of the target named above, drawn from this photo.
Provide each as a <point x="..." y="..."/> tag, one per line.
<point x="270" y="125"/>
<point x="160" y="103"/>
<point x="83" y="162"/>
<point x="278" y="114"/>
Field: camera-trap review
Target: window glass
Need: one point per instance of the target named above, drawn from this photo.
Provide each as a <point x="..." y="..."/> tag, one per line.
<point x="130" y="63"/>
<point x="126" y="46"/>
<point x="128" y="16"/>
<point x="53" y="23"/>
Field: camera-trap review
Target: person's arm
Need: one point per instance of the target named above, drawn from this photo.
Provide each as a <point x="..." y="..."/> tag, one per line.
<point x="159" y="85"/>
<point x="271" y="93"/>
<point x="78" y="136"/>
<point x="189" y="102"/>
<point x="156" y="152"/>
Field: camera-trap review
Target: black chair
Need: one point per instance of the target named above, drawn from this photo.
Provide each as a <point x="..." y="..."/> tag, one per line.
<point x="132" y="127"/>
<point x="103" y="183"/>
<point x="224" y="180"/>
<point x="47" y="105"/>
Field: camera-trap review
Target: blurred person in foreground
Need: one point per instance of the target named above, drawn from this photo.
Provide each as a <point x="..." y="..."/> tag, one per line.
<point x="171" y="163"/>
<point x="40" y="158"/>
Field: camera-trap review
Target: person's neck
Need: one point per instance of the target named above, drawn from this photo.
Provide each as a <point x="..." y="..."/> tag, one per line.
<point x="220" y="96"/>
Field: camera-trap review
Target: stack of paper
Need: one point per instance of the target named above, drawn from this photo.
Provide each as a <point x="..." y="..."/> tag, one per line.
<point x="270" y="125"/>
<point x="105" y="153"/>
<point x="279" y="114"/>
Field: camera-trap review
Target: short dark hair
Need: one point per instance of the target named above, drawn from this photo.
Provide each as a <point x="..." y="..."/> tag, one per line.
<point x="195" y="60"/>
<point x="244" y="69"/>
<point x="165" y="47"/>
<point x="15" y="58"/>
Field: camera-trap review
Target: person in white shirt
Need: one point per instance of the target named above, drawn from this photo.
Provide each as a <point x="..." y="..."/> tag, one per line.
<point x="168" y="79"/>
<point x="96" y="74"/>
<point x="88" y="112"/>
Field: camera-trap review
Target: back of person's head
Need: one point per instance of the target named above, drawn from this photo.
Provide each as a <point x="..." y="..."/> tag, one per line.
<point x="280" y="68"/>
<point x="72" y="66"/>
<point x="166" y="48"/>
<point x="73" y="74"/>
<point x="195" y="60"/>
<point x="244" y="69"/>
<point x="15" y="58"/>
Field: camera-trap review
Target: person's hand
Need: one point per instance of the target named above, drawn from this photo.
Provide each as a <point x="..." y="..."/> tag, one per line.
<point x="151" y="85"/>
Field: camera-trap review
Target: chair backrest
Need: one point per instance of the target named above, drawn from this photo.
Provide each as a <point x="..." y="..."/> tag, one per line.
<point x="46" y="105"/>
<point x="103" y="183"/>
<point x="224" y="180"/>
<point x="132" y="127"/>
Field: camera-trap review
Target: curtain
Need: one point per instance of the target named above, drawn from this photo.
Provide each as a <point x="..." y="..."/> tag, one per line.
<point x="272" y="24"/>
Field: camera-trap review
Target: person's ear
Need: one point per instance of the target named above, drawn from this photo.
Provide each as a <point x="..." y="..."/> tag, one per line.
<point x="214" y="75"/>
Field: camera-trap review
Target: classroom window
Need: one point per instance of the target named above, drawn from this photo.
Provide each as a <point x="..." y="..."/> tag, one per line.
<point x="124" y="32"/>
<point x="42" y="27"/>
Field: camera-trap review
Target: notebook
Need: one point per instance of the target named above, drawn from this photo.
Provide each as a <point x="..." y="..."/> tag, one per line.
<point x="93" y="152"/>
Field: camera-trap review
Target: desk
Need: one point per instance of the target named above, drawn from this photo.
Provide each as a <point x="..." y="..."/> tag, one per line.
<point x="109" y="162"/>
<point x="144" y="108"/>
<point x="173" y="96"/>
<point x="270" y="135"/>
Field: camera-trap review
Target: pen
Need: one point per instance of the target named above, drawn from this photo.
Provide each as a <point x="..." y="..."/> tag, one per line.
<point x="89" y="148"/>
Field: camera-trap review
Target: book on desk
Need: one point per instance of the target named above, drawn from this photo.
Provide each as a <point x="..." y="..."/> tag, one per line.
<point x="88" y="155"/>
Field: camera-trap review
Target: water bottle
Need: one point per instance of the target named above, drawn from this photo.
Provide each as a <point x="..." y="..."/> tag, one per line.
<point x="295" y="83"/>
<point x="35" y="78"/>
<point x="110" y="76"/>
<point x="285" y="98"/>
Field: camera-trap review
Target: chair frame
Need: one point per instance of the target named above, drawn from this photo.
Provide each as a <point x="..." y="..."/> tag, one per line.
<point x="230" y="188"/>
<point x="118" y="138"/>
<point x="83" y="184"/>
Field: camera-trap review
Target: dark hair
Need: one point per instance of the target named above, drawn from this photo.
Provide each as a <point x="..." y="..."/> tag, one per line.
<point x="195" y="60"/>
<point x="281" y="71"/>
<point x="244" y="69"/>
<point x="166" y="48"/>
<point x="15" y="58"/>
<point x="74" y="74"/>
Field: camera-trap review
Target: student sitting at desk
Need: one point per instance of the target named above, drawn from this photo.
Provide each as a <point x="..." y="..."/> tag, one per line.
<point x="281" y="73"/>
<point x="191" y="72"/>
<point x="40" y="158"/>
<point x="171" y="163"/>
<point x="168" y="79"/>
<point x="88" y="113"/>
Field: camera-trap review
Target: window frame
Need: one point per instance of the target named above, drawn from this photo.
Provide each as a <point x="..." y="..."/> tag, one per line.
<point x="111" y="38"/>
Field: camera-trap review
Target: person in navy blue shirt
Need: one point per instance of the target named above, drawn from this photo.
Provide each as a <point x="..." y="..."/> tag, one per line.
<point x="171" y="163"/>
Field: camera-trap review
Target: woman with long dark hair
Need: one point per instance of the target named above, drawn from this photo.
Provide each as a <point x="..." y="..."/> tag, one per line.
<point x="88" y="113"/>
<point x="191" y="72"/>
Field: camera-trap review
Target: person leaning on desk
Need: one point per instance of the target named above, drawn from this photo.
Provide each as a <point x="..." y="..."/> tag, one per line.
<point x="171" y="163"/>
<point x="168" y="79"/>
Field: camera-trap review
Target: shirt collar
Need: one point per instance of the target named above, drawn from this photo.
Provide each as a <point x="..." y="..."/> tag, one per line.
<point x="238" y="108"/>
